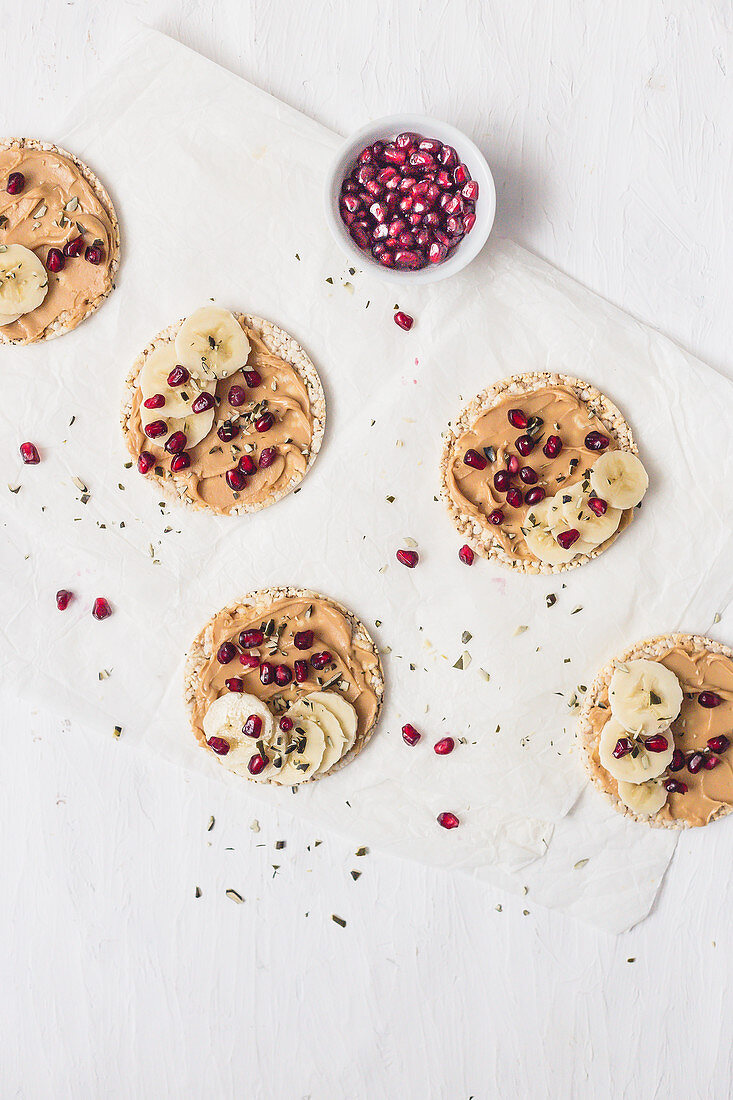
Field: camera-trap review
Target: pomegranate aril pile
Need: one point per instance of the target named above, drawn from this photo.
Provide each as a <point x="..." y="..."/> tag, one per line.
<point x="409" y="202"/>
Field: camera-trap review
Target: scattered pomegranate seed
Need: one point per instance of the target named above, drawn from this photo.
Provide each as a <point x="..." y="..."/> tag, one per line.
<point x="29" y="454"/>
<point x="512" y="464"/>
<point x="253" y="726"/>
<point x="496" y="517"/>
<point x="283" y="676"/>
<point x="447" y="820"/>
<point x="528" y="475"/>
<point x="55" y="260"/>
<point x="410" y="735"/>
<point x="267" y="457"/>
<point x="595" y="441"/>
<point x="320" y="660"/>
<point x="73" y="247"/>
<point x="247" y="465"/>
<point x="567" y="538"/>
<point x="533" y="496"/>
<point x="176" y="443"/>
<point x="403" y="320"/>
<point x="236" y="480"/>
<point x="552" y="447"/>
<point x="678" y="761"/>
<point x="249" y="660"/>
<point x="598" y="505"/>
<point x="709" y="699"/>
<point x="675" y="786"/>
<point x="303" y="639"/>
<point x="16" y="183"/>
<point x="516" y="418"/>
<point x="101" y="609"/>
<point x="444" y="746"/>
<point x="248" y="639"/>
<point x="710" y="762"/>
<point x="514" y="498"/>
<point x="63" y="598"/>
<point x="218" y="745"/>
<point x="256" y="764"/>
<point x="301" y="671"/>
<point x="178" y="376"/>
<point x="525" y="445"/>
<point x="253" y="378"/>
<point x="155" y="429"/>
<point x="410" y="558"/>
<point x="264" y="422"/>
<point x="622" y="748"/>
<point x="286" y="724"/>
<point x="94" y="254"/>
<point x="234" y="683"/>
<point x="228" y="431"/>
<point x="267" y="672"/>
<point x="226" y="653"/>
<point x="181" y="461"/>
<point x="657" y="743"/>
<point x="719" y="743"/>
<point x="501" y="481"/>
<point x="694" y="762"/>
<point x="203" y="403"/>
<point x="145" y="462"/>
<point x="466" y="555"/>
<point x="474" y="459"/>
<point x="157" y="401"/>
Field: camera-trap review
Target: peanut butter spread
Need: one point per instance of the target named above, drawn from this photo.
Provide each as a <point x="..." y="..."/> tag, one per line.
<point x="57" y="204"/>
<point x="282" y="393"/>
<point x="708" y="791"/>
<point x="493" y="436"/>
<point x="350" y="671"/>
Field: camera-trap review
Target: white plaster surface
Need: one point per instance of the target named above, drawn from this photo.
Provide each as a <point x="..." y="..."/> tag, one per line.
<point x="608" y="127"/>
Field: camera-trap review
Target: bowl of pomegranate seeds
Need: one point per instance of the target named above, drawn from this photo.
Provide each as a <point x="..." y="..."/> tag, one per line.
<point x="411" y="198"/>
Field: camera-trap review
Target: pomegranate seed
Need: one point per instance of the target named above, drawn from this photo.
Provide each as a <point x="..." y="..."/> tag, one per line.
<point x="247" y="465"/>
<point x="525" y="445"/>
<point x="444" y="746"/>
<point x="409" y="259"/>
<point x="73" y="247"/>
<point x="264" y="422"/>
<point x="514" y="498"/>
<point x="552" y="447"/>
<point x="675" y="786"/>
<point x="203" y="403"/>
<point x="431" y="145"/>
<point x="101" y="609"/>
<point x="466" y="555"/>
<point x="359" y="236"/>
<point x="422" y="161"/>
<point x="235" y="479"/>
<point x="181" y="461"/>
<point x="228" y="431"/>
<point x="448" y="156"/>
<point x="403" y="320"/>
<point x="366" y="156"/>
<point x="301" y="671"/>
<point x="283" y="676"/>
<point x="55" y="259"/>
<point x="253" y="726"/>
<point x="595" y="441"/>
<point x="469" y="220"/>
<point x="256" y="764"/>
<point x="512" y="464"/>
<point x="399" y="225"/>
<point x="501" y="481"/>
<point x="622" y="748"/>
<point x="454" y="227"/>
<point x="286" y="724"/>
<point x="410" y="558"/>
<point x="448" y="820"/>
<point x="533" y="496"/>
<point x="145" y="462"/>
<point x="410" y="735"/>
<point x="226" y="653"/>
<point x="94" y="254"/>
<point x="598" y="505"/>
<point x="678" y="761"/>
<point x="234" y="683"/>
<point x="711" y="762"/>
<point x="474" y="459"/>
<point x="391" y="154"/>
<point x="253" y="378"/>
<point x="496" y="516"/>
<point x="528" y="475"/>
<point x="709" y="699"/>
<point x="658" y="743"/>
<point x="303" y="639"/>
<point x="320" y="660"/>
<point x="16" y="183"/>
<point x="157" y="401"/>
<point x="406" y="139"/>
<point x="63" y="598"/>
<point x="157" y="428"/>
<point x="176" y="443"/>
<point x="267" y="457"/>
<point x="461" y="175"/>
<point x="719" y="743"/>
<point x="379" y="212"/>
<point x="567" y="538"/>
<point x="218" y="745"/>
<point x="437" y="252"/>
<point x="248" y="639"/>
<point x="470" y="191"/>
<point x="694" y="762"/>
<point x="249" y="660"/>
<point x="267" y="672"/>
<point x="29" y="454"/>
<point x="178" y="376"/>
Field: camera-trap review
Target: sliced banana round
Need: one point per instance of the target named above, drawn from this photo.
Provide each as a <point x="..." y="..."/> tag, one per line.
<point x="153" y="379"/>
<point x="643" y="798"/>
<point x="212" y="343"/>
<point x="311" y="709"/>
<point x="226" y="717"/>
<point x="541" y="538"/>
<point x="195" y="426"/>
<point x="570" y="510"/>
<point x="645" y="696"/>
<point x="23" y="281"/>
<point x="8" y="319"/>
<point x="631" y="768"/>
<point x="343" y="710"/>
<point x="619" y="478"/>
<point x="299" y="765"/>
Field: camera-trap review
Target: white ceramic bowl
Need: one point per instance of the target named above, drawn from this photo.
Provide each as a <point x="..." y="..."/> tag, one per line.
<point x="385" y="129"/>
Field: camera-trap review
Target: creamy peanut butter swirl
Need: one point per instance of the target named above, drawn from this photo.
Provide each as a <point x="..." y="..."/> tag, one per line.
<point x="708" y="791"/>
<point x="563" y="414"/>
<point x="56" y="205"/>
<point x="351" y="672"/>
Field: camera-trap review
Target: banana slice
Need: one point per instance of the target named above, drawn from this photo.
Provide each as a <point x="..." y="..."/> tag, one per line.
<point x="541" y="540"/>
<point x="8" y="319"/>
<point x="629" y="768"/>
<point x="226" y="717"/>
<point x="620" y="478"/>
<point x="343" y="710"/>
<point x="570" y="510"/>
<point x="643" y="798"/>
<point x="154" y="379"/>
<point x="335" y="739"/>
<point x="644" y="696"/>
<point x="23" y="281"/>
<point x="298" y="766"/>
<point x="212" y="344"/>
<point x="196" y="427"/>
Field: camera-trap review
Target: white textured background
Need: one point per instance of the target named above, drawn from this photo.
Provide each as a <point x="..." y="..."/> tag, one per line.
<point x="608" y="127"/>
